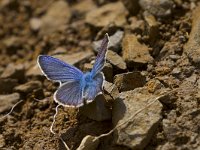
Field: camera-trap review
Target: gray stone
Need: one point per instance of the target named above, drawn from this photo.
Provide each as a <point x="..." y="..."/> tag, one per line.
<point x="108" y="72"/>
<point x="14" y="71"/>
<point x="54" y="20"/>
<point x="89" y="143"/>
<point x="28" y="87"/>
<point x="7" y="85"/>
<point x="110" y="13"/>
<point x="7" y="101"/>
<point x="176" y="71"/>
<point x="114" y="42"/>
<point x="111" y="89"/>
<point x="159" y="8"/>
<point x="135" y="53"/>
<point x="137" y="131"/>
<point x="97" y="109"/>
<point x="192" y="47"/>
<point x="129" y="81"/>
<point x="116" y="60"/>
<point x="174" y="57"/>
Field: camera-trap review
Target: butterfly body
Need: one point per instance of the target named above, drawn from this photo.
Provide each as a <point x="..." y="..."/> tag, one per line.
<point x="75" y="86"/>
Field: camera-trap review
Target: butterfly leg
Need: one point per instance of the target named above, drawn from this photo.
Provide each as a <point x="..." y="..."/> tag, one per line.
<point x="84" y="101"/>
<point x="51" y="128"/>
<point x="11" y="109"/>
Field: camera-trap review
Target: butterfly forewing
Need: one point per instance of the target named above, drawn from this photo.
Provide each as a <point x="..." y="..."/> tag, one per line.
<point x="57" y="70"/>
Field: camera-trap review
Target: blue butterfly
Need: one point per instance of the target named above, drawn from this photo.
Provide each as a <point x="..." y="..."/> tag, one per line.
<point x="76" y="87"/>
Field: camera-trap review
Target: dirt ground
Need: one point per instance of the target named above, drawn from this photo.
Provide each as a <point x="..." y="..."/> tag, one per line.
<point x="155" y="47"/>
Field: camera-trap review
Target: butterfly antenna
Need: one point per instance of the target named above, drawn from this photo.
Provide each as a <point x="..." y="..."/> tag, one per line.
<point x="54" y="119"/>
<point x="11" y="109"/>
<point x="42" y="100"/>
<point x="51" y="128"/>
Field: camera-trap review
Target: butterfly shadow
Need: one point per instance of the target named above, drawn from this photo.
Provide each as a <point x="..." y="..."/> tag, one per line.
<point x="118" y="110"/>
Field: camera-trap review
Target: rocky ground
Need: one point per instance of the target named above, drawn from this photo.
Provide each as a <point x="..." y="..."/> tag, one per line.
<point x="153" y="60"/>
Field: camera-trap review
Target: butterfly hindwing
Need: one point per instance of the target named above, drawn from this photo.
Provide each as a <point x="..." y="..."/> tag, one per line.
<point x="57" y="70"/>
<point x="100" y="60"/>
<point x="69" y="94"/>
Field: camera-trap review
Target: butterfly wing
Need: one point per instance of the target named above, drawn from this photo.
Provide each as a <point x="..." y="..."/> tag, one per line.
<point x="57" y="70"/>
<point x="69" y="94"/>
<point x="94" y="88"/>
<point x="100" y="60"/>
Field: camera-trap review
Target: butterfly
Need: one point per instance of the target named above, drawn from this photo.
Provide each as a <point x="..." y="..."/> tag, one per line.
<point x="76" y="87"/>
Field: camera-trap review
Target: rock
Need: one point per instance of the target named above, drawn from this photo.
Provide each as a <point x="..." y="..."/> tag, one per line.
<point x="116" y="60"/>
<point x="170" y="48"/>
<point x="89" y="143"/>
<point x="135" y="53"/>
<point x="132" y="6"/>
<point x="83" y="7"/>
<point x="162" y="70"/>
<point x="174" y="57"/>
<point x="108" y="72"/>
<point x="110" y="13"/>
<point x="154" y="85"/>
<point x="7" y="85"/>
<point x="35" y="24"/>
<point x="192" y="47"/>
<point x="87" y="67"/>
<point x="151" y="27"/>
<point x="114" y="42"/>
<point x="136" y="26"/>
<point x="56" y="18"/>
<point x="97" y="109"/>
<point x="1" y="70"/>
<point x="75" y="58"/>
<point x="111" y="89"/>
<point x="34" y="71"/>
<point x="58" y="50"/>
<point x="138" y="130"/>
<point x="129" y="81"/>
<point x="28" y="87"/>
<point x="12" y="42"/>
<point x="2" y="141"/>
<point x="72" y="59"/>
<point x="176" y="71"/>
<point x="14" y="71"/>
<point x="159" y="8"/>
<point x="7" y="101"/>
